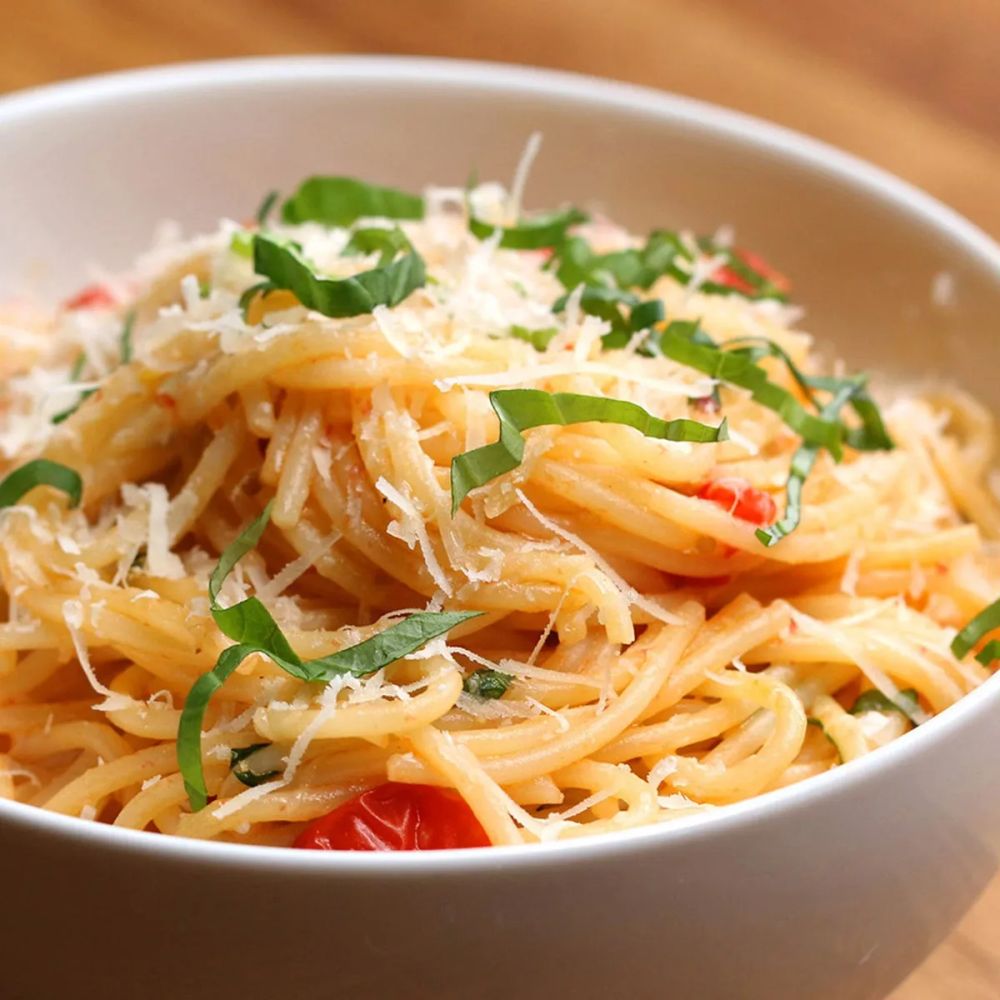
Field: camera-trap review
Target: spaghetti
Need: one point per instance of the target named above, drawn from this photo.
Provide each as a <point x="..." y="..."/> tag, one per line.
<point x="412" y="491"/>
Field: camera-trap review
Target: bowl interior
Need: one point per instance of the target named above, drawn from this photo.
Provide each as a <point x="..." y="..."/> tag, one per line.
<point x="89" y="169"/>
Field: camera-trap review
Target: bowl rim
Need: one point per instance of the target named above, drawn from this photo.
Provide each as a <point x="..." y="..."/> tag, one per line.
<point x="609" y="95"/>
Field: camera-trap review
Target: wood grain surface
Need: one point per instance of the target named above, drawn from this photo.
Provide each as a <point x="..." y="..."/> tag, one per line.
<point x="912" y="85"/>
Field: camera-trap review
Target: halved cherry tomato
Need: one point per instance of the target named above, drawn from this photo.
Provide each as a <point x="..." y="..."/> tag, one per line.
<point x="726" y="275"/>
<point x="91" y="297"/>
<point x="396" y="817"/>
<point x="741" y="500"/>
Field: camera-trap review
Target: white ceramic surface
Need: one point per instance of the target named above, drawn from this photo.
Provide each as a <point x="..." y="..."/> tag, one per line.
<point x="833" y="889"/>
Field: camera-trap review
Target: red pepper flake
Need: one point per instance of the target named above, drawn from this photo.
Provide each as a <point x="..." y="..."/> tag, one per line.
<point x="91" y="297"/>
<point x="741" y="500"/>
<point x="709" y="405"/>
<point x="166" y="400"/>
<point x="396" y="817"/>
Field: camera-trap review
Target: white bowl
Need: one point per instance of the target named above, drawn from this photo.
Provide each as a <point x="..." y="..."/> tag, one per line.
<point x="833" y="889"/>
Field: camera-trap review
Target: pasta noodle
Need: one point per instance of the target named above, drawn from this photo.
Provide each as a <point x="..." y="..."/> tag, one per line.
<point x="639" y="654"/>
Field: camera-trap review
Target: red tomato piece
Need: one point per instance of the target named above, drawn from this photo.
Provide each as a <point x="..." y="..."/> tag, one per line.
<point x="741" y="500"/>
<point x="396" y="817"/>
<point x="761" y="266"/>
<point x="725" y="275"/>
<point x="91" y="297"/>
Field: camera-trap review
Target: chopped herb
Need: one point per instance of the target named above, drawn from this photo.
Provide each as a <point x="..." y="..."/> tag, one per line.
<point x="265" y="208"/>
<point x="239" y="754"/>
<point x="664" y="254"/>
<point x="608" y="304"/>
<point x="74" y="375"/>
<point x="249" y="778"/>
<point x="906" y="702"/>
<point x="250" y="625"/>
<point x="284" y="267"/>
<point x="241" y="243"/>
<point x="801" y="465"/>
<point x="678" y="344"/>
<point x="985" y="622"/>
<point x="871" y="436"/>
<point x="529" y="234"/>
<point x="125" y="339"/>
<point x="248" y="296"/>
<point x="204" y="288"/>
<point x="340" y="201"/>
<point x="253" y="778"/>
<point x="487" y="684"/>
<point x="40" y="472"/>
<point x="539" y="339"/>
<point x="79" y="362"/>
<point x="521" y="409"/>
<point x="386" y="242"/>
<point x="125" y="354"/>
<point x="813" y="721"/>
<point x="578" y="264"/>
<point x="735" y="363"/>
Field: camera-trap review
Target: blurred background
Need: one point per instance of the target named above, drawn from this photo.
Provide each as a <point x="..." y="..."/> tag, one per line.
<point x="912" y="85"/>
<point x="909" y="84"/>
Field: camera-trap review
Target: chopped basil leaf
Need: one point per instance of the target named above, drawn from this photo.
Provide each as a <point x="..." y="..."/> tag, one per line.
<point x="677" y="343"/>
<point x="249" y="778"/>
<point x="250" y="625"/>
<point x="125" y="339"/>
<point x="386" y="242"/>
<point x="608" y="304"/>
<point x="801" y="465"/>
<point x="985" y="622"/>
<point x="989" y="652"/>
<point x="241" y="243"/>
<point x="265" y="208"/>
<point x="284" y="267"/>
<point x="660" y="256"/>
<point x="125" y="354"/>
<point x="906" y="702"/>
<point x="40" y="472"/>
<point x="870" y="436"/>
<point x="74" y="374"/>
<point x="539" y="339"/>
<point x="521" y="409"/>
<point x="239" y="754"/>
<point x="340" y="201"/>
<point x="487" y="684"/>
<point x="253" y="778"/>
<point x="529" y="234"/>
<point x="813" y="721"/>
<point x="578" y="264"/>
<point x="204" y="289"/>
<point x="79" y="363"/>
<point x="735" y="362"/>
<point x="246" y="299"/>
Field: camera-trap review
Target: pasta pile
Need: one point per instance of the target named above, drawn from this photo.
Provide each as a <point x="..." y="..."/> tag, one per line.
<point x="639" y="652"/>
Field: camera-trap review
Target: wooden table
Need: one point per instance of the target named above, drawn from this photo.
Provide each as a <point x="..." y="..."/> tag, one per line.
<point x="909" y="84"/>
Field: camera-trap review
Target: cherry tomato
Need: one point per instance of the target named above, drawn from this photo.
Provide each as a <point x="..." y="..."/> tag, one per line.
<point x="396" y="817"/>
<point x="741" y="500"/>
<point x="725" y="275"/>
<point x="91" y="297"/>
